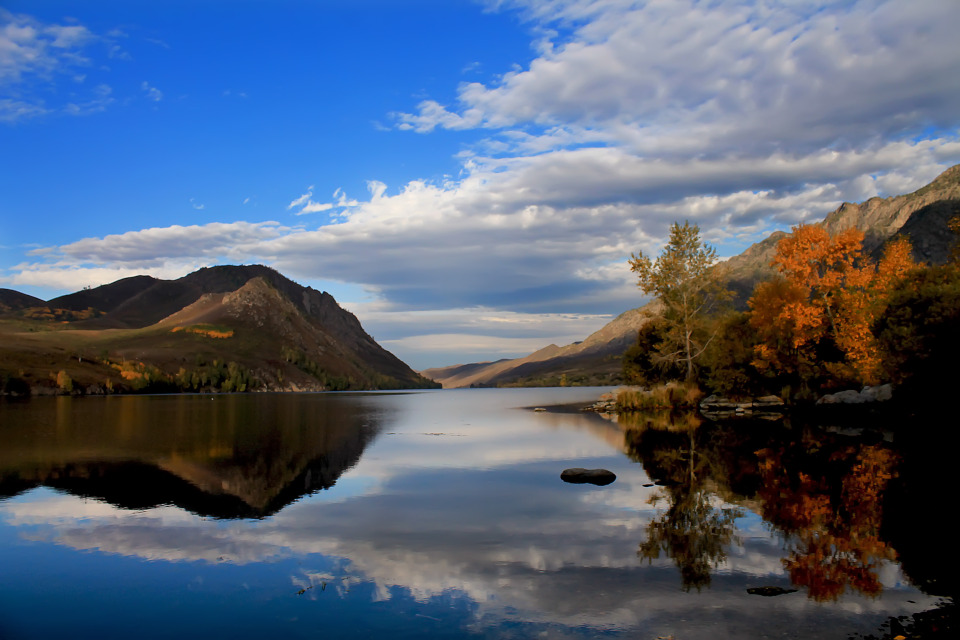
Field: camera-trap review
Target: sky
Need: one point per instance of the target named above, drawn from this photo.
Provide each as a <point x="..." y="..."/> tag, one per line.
<point x="468" y="177"/>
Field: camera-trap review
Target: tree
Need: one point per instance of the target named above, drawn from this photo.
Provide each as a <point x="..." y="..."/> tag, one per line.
<point x="640" y="362"/>
<point x="64" y="382"/>
<point x="816" y="318"/>
<point x="917" y="332"/>
<point x="688" y="289"/>
<point x="727" y="365"/>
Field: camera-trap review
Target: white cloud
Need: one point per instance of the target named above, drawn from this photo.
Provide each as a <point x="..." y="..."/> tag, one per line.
<point x="153" y="93"/>
<point x="68" y="277"/>
<point x="29" y="47"/>
<point x="699" y="78"/>
<point x="302" y="200"/>
<point x="307" y="205"/>
<point x="33" y="56"/>
<point x="164" y="252"/>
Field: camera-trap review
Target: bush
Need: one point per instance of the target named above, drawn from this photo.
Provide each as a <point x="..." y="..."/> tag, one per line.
<point x="64" y="381"/>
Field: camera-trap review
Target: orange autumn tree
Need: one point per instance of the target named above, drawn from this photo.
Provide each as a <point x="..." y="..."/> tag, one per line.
<point x="815" y="319"/>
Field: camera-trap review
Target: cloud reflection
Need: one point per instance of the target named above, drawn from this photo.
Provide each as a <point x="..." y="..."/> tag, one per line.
<point x="477" y="517"/>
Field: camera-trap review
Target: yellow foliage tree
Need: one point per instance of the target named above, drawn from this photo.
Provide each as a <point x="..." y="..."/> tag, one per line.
<point x="64" y="382"/>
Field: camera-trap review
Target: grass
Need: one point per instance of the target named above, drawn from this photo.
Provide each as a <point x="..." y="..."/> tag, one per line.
<point x="673" y="395"/>
<point x="209" y="330"/>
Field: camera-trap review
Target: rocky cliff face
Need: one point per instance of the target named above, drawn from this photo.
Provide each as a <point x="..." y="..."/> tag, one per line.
<point x="920" y="216"/>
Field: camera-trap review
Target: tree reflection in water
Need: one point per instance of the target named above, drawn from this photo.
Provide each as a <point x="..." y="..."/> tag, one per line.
<point x="823" y="492"/>
<point x="692" y="531"/>
<point x="828" y="502"/>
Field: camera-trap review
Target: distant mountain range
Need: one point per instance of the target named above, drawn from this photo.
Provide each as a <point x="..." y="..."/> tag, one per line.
<point x="920" y="216"/>
<point x="228" y="328"/>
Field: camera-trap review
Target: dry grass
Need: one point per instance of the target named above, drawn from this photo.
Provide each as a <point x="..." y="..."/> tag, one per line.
<point x="673" y="395"/>
<point x="206" y="330"/>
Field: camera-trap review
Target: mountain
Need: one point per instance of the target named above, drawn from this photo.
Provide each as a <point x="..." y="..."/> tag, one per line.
<point x="228" y="328"/>
<point x="11" y="300"/>
<point x="920" y="216"/>
<point x="595" y="360"/>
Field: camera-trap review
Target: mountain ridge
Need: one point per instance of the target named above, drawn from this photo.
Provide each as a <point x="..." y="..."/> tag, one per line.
<point x="921" y="216"/>
<point x="143" y="333"/>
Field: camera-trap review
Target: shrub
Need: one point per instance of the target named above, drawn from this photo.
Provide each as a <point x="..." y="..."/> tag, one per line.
<point x="64" y="381"/>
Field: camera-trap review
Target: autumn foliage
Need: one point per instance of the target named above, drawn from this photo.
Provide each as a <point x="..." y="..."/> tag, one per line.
<point x="830" y="518"/>
<point x="834" y="317"/>
<point x="815" y="320"/>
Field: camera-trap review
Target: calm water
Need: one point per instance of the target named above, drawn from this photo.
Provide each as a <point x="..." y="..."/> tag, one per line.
<point x="442" y="514"/>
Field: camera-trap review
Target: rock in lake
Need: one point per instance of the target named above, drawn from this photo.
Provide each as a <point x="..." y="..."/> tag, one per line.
<point x="577" y="475"/>
<point x="769" y="591"/>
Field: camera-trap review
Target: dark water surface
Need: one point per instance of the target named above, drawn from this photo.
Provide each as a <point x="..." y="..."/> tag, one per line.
<point x="442" y="514"/>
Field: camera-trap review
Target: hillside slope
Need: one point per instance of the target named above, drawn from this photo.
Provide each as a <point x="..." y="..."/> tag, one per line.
<point x="920" y="216"/>
<point x="221" y="328"/>
<point x="11" y="300"/>
<point x="595" y="360"/>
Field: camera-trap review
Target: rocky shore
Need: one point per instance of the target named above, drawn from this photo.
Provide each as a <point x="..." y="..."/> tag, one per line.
<point x="770" y="406"/>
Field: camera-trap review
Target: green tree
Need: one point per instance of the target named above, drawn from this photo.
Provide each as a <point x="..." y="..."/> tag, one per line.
<point x="688" y="290"/>
<point x="917" y="333"/>
<point x="727" y="365"/>
<point x="641" y="364"/>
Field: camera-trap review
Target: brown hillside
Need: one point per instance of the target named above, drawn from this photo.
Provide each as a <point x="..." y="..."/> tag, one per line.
<point x="11" y="300"/>
<point x="277" y="335"/>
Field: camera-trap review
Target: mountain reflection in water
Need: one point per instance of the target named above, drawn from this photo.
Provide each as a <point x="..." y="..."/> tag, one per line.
<point x="442" y="514"/>
<point x="225" y="457"/>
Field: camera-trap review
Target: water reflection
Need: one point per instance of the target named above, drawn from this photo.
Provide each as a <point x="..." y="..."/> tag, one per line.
<point x="821" y="492"/>
<point x="694" y="531"/>
<point x="443" y="514"/>
<point x="235" y="456"/>
<point x="828" y="502"/>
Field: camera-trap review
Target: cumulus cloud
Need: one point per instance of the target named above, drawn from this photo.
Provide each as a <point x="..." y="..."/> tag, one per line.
<point x="701" y="78"/>
<point x="163" y="252"/>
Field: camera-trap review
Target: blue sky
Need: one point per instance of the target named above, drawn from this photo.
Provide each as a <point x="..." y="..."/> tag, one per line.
<point x="469" y="178"/>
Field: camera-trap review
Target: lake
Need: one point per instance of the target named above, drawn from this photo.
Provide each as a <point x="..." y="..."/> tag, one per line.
<point x="442" y="514"/>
